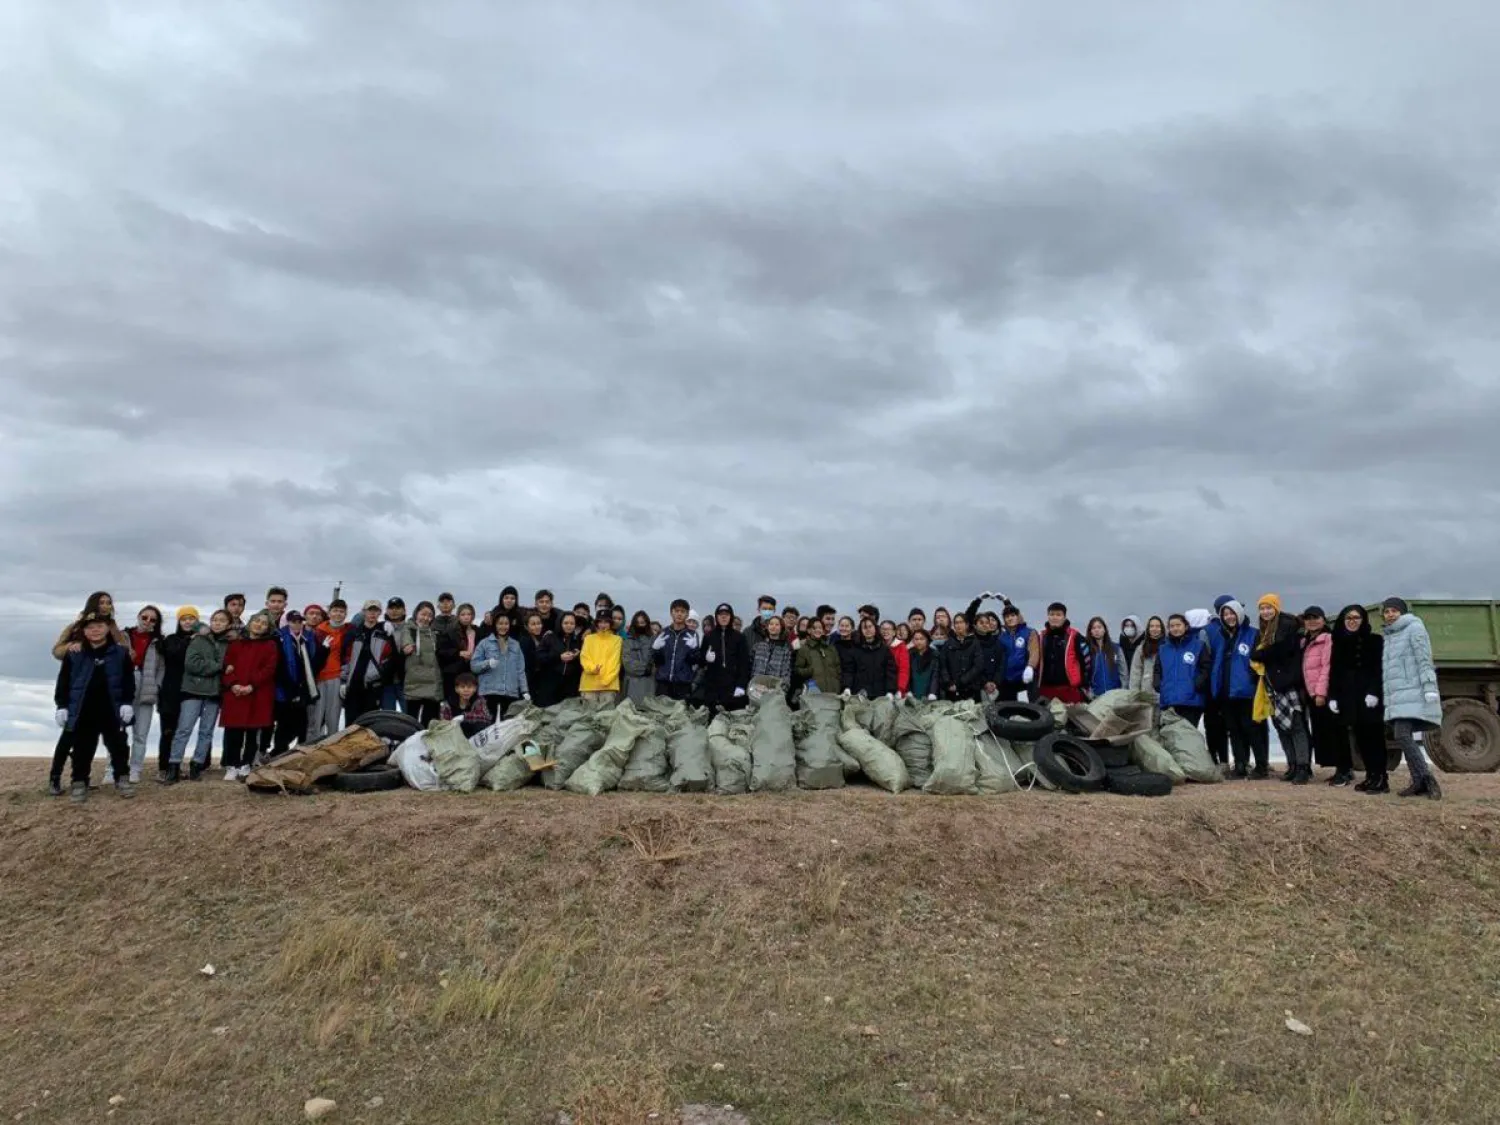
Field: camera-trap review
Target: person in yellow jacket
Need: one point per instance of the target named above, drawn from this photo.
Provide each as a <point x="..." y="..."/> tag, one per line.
<point x="600" y="660"/>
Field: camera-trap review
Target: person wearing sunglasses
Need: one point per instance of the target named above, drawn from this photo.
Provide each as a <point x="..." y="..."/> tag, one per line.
<point x="144" y="641"/>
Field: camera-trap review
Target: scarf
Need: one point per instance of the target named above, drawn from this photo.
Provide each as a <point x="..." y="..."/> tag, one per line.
<point x="140" y="641"/>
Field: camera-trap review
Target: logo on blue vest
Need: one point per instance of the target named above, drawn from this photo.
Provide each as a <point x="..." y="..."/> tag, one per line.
<point x="1244" y="650"/>
<point x="1188" y="658"/>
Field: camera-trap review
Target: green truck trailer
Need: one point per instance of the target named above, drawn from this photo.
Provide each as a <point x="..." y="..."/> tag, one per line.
<point x="1466" y="649"/>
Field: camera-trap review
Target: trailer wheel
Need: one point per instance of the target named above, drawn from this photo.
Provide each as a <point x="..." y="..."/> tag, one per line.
<point x="1469" y="740"/>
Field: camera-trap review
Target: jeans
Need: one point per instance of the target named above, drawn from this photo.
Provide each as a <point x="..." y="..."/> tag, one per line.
<point x="204" y="712"/>
<point x="140" y="732"/>
<point x="1410" y="736"/>
<point x="393" y="698"/>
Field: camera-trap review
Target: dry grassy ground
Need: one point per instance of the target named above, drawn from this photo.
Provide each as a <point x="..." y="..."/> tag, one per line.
<point x="836" y="957"/>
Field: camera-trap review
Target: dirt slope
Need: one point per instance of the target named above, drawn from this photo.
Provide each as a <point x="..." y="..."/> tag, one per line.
<point x="840" y="957"/>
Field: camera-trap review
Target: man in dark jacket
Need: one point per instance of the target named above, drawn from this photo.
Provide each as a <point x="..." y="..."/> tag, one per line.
<point x="393" y="697"/>
<point x="367" y="649"/>
<point x="675" y="654"/>
<point x="94" y="692"/>
<point x="726" y="663"/>
<point x="1066" y="663"/>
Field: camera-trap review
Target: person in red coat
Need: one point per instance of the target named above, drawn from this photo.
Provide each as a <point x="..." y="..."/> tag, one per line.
<point x="901" y="654"/>
<point x="248" y="707"/>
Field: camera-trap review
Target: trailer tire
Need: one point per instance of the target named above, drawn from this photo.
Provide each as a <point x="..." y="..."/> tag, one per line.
<point x="1071" y="765"/>
<point x="1019" y="722"/>
<point x="1469" y="739"/>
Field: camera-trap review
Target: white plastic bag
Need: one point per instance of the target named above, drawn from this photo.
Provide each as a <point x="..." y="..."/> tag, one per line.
<point x="415" y="766"/>
<point x="499" y="739"/>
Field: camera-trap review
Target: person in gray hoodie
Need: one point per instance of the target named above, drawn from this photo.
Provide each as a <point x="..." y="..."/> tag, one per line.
<point x="1413" y="704"/>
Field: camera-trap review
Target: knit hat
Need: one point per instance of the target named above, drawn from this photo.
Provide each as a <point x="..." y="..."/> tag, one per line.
<point x="187" y="611"/>
<point x="1270" y="599"/>
<point x="314" y="606"/>
<point x="1398" y="604"/>
<point x="1221" y="601"/>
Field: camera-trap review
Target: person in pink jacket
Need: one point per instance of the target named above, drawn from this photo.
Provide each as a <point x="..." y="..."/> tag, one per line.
<point x="1330" y="741"/>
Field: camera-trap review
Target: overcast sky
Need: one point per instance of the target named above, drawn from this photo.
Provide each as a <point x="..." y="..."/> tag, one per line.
<point x="1129" y="305"/>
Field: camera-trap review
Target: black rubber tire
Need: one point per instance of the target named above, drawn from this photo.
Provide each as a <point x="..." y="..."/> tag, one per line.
<point x="1132" y="781"/>
<point x="1113" y="757"/>
<point x="368" y="780"/>
<point x="1019" y="722"/>
<point x="1070" y="764"/>
<point x="395" y="725"/>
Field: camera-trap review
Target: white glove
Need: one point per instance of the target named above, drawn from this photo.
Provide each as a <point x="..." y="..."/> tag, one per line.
<point x="1028" y="675"/>
<point x="660" y="642"/>
<point x="62" y="716"/>
<point x="692" y="640"/>
<point x="328" y="641"/>
<point x="846" y="693"/>
<point x="711" y="657"/>
<point x="1432" y="697"/>
<point x="492" y="662"/>
<point x="1333" y="705"/>
<point x="1371" y="701"/>
<point x="986" y="594"/>
<point x="739" y="691"/>
<point x="796" y="643"/>
<point x="932" y="699"/>
<point x="525" y="697"/>
<point x="343" y="690"/>
<point x="1024" y="696"/>
<point x="127" y="713"/>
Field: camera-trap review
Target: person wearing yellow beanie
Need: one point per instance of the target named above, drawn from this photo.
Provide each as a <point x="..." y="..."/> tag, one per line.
<point x="1279" y="653"/>
<point x="184" y="611"/>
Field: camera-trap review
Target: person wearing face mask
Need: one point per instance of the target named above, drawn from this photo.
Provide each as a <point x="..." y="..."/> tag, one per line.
<point x="1232" y="686"/>
<point x="726" y="663"/>
<point x="1413" y="703"/>
<point x="1130" y="637"/>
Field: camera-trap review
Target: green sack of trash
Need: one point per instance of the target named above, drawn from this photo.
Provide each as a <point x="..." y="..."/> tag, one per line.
<point x="603" y="770"/>
<point x="953" y="771"/>
<point x="773" y="755"/>
<point x="687" y="752"/>
<point x="1000" y="767"/>
<point x="910" y="738"/>
<point x="1152" y="756"/>
<point x="511" y="772"/>
<point x="877" y="761"/>
<point x="580" y="738"/>
<point x="729" y="753"/>
<point x="815" y="728"/>
<point x="1185" y="742"/>
<point x="456" y="762"/>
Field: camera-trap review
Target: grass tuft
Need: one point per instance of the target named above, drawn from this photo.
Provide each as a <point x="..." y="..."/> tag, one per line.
<point x="334" y="954"/>
<point x="520" y="995"/>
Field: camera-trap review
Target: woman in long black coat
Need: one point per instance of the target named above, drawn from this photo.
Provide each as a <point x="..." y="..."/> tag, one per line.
<point x="1354" y="689"/>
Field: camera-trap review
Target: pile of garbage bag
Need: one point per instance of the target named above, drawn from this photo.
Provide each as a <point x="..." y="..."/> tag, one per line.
<point x="1119" y="742"/>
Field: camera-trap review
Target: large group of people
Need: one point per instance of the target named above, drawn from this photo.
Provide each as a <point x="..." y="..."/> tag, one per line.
<point x="283" y="676"/>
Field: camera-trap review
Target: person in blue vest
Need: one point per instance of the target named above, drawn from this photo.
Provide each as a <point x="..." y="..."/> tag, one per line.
<point x="299" y="661"/>
<point x="1108" y="668"/>
<point x="95" y="688"/>
<point x="675" y="653"/>
<point x="1232" y="684"/>
<point x="1183" y="669"/>
<point x="1023" y="653"/>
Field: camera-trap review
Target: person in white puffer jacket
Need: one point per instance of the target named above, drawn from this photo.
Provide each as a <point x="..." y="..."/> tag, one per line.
<point x="1413" y="704"/>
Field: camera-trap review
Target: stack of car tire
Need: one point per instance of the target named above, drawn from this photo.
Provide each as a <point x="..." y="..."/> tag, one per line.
<point x="393" y="726"/>
<point x="1067" y="761"/>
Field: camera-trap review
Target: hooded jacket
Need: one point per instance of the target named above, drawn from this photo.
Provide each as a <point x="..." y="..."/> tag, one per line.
<point x="819" y="662"/>
<point x="109" y="660"/>
<point x="1355" y="669"/>
<point x="367" y="651"/>
<point x="869" y="667"/>
<point x="1231" y="653"/>
<point x="601" y="657"/>
<point x="424" y="677"/>
<point x="730" y="667"/>
<point x="1128" y="645"/>
<point x="203" y="667"/>
<point x="1317" y="651"/>
<point x="677" y="658"/>
<point x="1409" y="674"/>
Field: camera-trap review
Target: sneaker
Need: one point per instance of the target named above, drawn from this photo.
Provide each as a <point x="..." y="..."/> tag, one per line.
<point x="124" y="787"/>
<point x="109" y="777"/>
<point x="1363" y="786"/>
<point x="244" y="772"/>
<point x="79" y="793"/>
<point x="1379" y="786"/>
<point x="135" y="777"/>
<point x="1340" y="779"/>
<point x="1434" y="790"/>
<point x="231" y="774"/>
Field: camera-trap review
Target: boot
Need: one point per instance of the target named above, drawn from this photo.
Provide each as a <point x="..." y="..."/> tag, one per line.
<point x="124" y="787"/>
<point x="1417" y="787"/>
<point x="195" y="771"/>
<point x="1434" y="790"/>
<point x="1341" y="778"/>
<point x="171" y="775"/>
<point x="1260" y="773"/>
<point x="1363" y="786"/>
<point x="1379" y="786"/>
<point x="1290" y="773"/>
<point x="1301" y="776"/>
<point x="1241" y="771"/>
<point x="79" y="792"/>
<point x="55" y="787"/>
